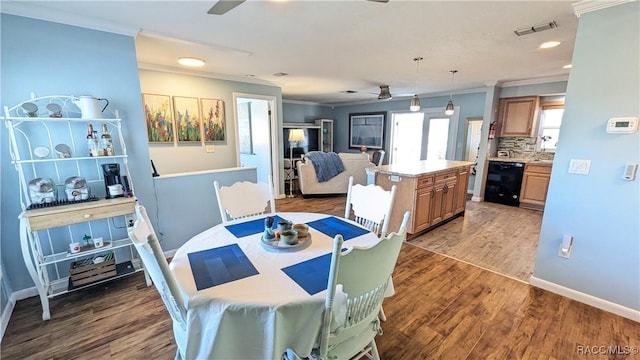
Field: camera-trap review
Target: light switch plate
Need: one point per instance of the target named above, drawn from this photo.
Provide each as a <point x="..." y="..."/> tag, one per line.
<point x="579" y="166"/>
<point x="210" y="148"/>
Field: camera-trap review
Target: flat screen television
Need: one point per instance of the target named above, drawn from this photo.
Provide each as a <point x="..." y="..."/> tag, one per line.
<point x="311" y="142"/>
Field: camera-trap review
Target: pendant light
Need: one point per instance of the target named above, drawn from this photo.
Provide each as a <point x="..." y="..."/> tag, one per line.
<point x="415" y="102"/>
<point x="449" y="109"/>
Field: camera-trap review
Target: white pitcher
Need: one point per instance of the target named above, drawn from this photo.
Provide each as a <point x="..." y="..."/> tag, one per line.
<point x="89" y="106"/>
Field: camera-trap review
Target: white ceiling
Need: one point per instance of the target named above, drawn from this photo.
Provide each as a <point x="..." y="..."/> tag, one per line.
<point x="328" y="47"/>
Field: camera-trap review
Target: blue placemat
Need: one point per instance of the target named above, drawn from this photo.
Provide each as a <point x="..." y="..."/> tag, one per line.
<point x="332" y="226"/>
<point x="251" y="227"/>
<point x="220" y="265"/>
<point x="312" y="275"/>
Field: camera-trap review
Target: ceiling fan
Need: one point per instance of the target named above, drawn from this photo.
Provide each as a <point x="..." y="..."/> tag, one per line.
<point x="385" y="94"/>
<point x="223" y="6"/>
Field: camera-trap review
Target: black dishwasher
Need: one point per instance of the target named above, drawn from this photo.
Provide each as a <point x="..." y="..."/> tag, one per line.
<point x="503" y="182"/>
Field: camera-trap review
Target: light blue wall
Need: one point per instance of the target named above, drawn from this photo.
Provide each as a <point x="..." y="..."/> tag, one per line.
<point x="54" y="59"/>
<point x="601" y="210"/>
<point x="176" y="227"/>
<point x="471" y="105"/>
<point x="559" y="87"/>
<point x="305" y="112"/>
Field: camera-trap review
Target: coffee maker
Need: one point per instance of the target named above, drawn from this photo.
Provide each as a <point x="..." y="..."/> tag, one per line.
<point x="112" y="182"/>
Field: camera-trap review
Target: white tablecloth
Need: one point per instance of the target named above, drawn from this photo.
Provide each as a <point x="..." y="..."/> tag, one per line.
<point x="260" y="316"/>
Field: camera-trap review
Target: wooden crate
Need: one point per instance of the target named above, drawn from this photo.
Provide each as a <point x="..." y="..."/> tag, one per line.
<point x="84" y="274"/>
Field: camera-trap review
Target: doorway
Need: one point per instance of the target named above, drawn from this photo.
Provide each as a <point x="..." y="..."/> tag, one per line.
<point x="406" y="137"/>
<point x="472" y="147"/>
<point x="256" y="119"/>
<point x="424" y="135"/>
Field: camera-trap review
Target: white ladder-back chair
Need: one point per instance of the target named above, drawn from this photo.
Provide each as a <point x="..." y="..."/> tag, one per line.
<point x="152" y="256"/>
<point x="362" y="274"/>
<point x="371" y="206"/>
<point x="244" y="199"/>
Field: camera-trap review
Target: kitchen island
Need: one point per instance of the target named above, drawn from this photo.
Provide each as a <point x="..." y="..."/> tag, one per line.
<point x="435" y="191"/>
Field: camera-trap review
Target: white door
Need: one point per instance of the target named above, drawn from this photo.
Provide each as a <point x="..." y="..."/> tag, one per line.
<point x="437" y="138"/>
<point x="255" y="120"/>
<point x="406" y="137"/>
<point x="425" y="135"/>
<point x="474" y="131"/>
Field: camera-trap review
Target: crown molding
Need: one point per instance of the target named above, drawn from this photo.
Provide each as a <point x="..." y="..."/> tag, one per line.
<point x="175" y="70"/>
<point x="300" y="102"/>
<point x="542" y="80"/>
<point x="586" y="6"/>
<point x="24" y="9"/>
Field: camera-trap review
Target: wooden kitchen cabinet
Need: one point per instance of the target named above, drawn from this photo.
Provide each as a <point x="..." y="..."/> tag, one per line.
<point x="422" y="214"/>
<point x="462" y="185"/>
<point x="429" y="192"/>
<point x="535" y="183"/>
<point x="518" y="116"/>
<point x="444" y="197"/>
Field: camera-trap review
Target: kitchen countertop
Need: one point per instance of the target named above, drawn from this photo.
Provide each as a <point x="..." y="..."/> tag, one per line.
<point x="418" y="168"/>
<point x="522" y="160"/>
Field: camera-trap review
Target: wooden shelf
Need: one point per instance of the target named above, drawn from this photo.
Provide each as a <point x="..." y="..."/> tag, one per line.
<point x="64" y="256"/>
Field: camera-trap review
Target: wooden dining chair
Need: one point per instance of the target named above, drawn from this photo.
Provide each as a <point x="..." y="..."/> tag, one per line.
<point x="144" y="238"/>
<point x="371" y="206"/>
<point x="244" y="199"/>
<point x="349" y="326"/>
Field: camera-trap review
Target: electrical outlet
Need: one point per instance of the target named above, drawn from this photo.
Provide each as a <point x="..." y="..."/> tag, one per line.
<point x="130" y="219"/>
<point x="210" y="148"/>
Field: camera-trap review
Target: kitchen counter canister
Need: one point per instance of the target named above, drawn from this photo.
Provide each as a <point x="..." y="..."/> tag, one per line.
<point x="418" y="168"/>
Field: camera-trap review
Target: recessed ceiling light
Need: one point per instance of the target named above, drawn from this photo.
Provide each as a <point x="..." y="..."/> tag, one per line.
<point x="549" y="44"/>
<point x="568" y="66"/>
<point x="190" y="61"/>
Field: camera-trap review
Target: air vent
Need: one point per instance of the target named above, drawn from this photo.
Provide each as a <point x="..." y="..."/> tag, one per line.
<point x="536" y="28"/>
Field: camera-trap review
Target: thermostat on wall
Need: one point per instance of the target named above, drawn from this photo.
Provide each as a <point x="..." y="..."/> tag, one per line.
<point x="622" y="125"/>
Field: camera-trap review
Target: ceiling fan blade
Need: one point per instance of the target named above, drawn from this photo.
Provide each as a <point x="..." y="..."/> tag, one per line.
<point x="380" y="1"/>
<point x="222" y="6"/>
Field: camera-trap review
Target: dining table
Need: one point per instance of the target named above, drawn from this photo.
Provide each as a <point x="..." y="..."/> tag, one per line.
<point x="250" y="299"/>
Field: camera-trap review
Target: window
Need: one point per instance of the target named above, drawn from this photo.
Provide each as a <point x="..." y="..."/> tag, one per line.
<point x="550" y="121"/>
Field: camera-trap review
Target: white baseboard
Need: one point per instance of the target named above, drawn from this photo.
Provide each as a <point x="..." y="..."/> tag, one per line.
<point x="24" y="293"/>
<point x="170" y="253"/>
<point x="631" y="314"/>
<point x="476" y="198"/>
<point x="6" y="315"/>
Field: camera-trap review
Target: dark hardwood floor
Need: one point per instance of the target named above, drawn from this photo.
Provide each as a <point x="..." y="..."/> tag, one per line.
<point x="443" y="309"/>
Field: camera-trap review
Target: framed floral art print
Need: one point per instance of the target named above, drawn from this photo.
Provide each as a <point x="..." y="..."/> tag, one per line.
<point x="213" y="123"/>
<point x="159" y="118"/>
<point x="188" y="121"/>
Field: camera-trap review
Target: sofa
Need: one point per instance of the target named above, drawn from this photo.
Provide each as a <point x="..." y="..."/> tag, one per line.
<point x="354" y="165"/>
